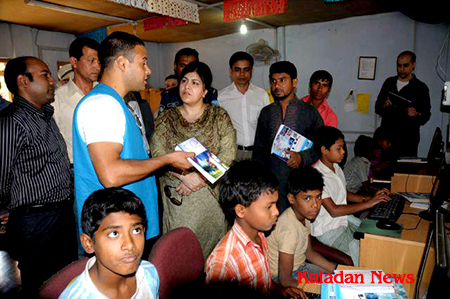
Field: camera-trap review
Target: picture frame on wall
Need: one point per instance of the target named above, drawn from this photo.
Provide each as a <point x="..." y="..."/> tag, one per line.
<point x="367" y="67"/>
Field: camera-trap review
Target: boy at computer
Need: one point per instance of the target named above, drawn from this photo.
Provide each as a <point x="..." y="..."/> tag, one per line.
<point x="290" y="243"/>
<point x="114" y="223"/>
<point x="335" y="224"/>
<point x="248" y="197"/>
<point x="386" y="156"/>
<point x="357" y="170"/>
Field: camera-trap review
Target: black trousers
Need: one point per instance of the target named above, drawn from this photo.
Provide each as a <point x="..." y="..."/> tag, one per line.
<point x="42" y="243"/>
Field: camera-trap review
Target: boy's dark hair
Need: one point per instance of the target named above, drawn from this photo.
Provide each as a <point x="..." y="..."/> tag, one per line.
<point x="283" y="67"/>
<point x="243" y="184"/>
<point x="173" y="76"/>
<point x="241" y="55"/>
<point x="321" y="75"/>
<point x="117" y="44"/>
<point x="14" y="68"/>
<point x="304" y="179"/>
<point x="186" y="52"/>
<point x="382" y="134"/>
<point x="103" y="202"/>
<point x="76" y="47"/>
<point x="325" y="136"/>
<point x="364" y="145"/>
<point x="202" y="69"/>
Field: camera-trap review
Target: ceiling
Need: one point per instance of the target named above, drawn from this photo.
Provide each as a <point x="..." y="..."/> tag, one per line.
<point x="211" y="19"/>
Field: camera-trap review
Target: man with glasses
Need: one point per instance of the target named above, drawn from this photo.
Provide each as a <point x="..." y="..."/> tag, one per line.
<point x="404" y="106"/>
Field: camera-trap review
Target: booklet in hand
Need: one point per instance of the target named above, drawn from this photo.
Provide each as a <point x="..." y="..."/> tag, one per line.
<point x="287" y="139"/>
<point x="399" y="100"/>
<point x="208" y="164"/>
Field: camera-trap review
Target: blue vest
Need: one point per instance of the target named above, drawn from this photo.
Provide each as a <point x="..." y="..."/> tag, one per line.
<point x="86" y="180"/>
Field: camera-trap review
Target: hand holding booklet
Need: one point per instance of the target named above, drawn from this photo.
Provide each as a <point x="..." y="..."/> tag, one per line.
<point x="208" y="164"/>
<point x="287" y="140"/>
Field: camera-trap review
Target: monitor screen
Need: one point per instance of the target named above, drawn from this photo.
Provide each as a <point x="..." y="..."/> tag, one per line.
<point x="433" y="278"/>
<point x="436" y="147"/>
<point x="440" y="278"/>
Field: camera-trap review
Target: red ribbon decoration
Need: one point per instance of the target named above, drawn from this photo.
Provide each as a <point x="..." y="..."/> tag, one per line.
<point x="234" y="10"/>
<point x="154" y="23"/>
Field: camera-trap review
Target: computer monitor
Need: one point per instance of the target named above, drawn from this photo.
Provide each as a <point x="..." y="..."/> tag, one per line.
<point x="439" y="193"/>
<point x="436" y="150"/>
<point x="440" y="277"/>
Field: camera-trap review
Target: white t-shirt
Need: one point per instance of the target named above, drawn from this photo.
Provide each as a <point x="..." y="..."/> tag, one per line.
<point x="335" y="188"/>
<point x="147" y="284"/>
<point x="101" y="119"/>
<point x="401" y="84"/>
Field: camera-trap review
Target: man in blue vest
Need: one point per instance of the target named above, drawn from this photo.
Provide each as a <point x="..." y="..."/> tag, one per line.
<point x="107" y="141"/>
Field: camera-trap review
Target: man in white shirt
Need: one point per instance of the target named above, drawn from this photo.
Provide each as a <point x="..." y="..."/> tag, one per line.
<point x="243" y="101"/>
<point x="86" y="66"/>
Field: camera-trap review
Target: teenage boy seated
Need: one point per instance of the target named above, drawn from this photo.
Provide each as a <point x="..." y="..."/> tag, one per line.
<point x="248" y="197"/>
<point x="290" y="243"/>
<point x="335" y="224"/>
<point x="114" y="223"/>
<point x="357" y="170"/>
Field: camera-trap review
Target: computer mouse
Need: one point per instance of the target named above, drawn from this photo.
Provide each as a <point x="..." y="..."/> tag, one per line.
<point x="388" y="224"/>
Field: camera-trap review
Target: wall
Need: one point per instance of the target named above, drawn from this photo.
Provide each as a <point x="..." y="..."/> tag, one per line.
<point x="52" y="47"/>
<point x="216" y="52"/>
<point x="336" y="46"/>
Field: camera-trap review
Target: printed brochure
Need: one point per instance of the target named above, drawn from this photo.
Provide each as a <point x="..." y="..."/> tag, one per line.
<point x="287" y="139"/>
<point x="208" y="164"/>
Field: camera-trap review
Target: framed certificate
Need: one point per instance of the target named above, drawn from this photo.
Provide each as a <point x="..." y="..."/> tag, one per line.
<point x="367" y="67"/>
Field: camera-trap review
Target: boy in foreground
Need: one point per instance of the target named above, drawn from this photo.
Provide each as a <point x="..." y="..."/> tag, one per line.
<point x="114" y="224"/>
<point x="290" y="241"/>
<point x="248" y="197"/>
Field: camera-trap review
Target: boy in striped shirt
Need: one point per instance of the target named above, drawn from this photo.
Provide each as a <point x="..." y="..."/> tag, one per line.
<point x="114" y="223"/>
<point x="248" y="197"/>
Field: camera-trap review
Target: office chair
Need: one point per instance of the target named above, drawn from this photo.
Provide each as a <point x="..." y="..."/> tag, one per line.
<point x="178" y="258"/>
<point x="55" y="285"/>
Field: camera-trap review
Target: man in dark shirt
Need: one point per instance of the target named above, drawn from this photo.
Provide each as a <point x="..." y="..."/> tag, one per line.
<point x="35" y="176"/>
<point x="293" y="113"/>
<point x="404" y="106"/>
<point x="171" y="97"/>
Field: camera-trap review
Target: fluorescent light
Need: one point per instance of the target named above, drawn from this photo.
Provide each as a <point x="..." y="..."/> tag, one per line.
<point x="243" y="28"/>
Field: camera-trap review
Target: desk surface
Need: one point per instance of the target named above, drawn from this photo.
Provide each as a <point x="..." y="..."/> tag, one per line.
<point x="398" y="255"/>
<point x="416" y="236"/>
<point x="416" y="168"/>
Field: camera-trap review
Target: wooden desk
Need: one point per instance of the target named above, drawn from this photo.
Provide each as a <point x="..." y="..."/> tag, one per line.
<point x="413" y="177"/>
<point x="398" y="255"/>
<point x="402" y="182"/>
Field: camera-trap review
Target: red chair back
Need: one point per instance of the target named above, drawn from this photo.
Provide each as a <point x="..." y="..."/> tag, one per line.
<point x="55" y="285"/>
<point x="179" y="260"/>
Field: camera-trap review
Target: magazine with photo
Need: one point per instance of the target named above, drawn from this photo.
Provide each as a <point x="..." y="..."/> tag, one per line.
<point x="287" y="139"/>
<point x="208" y="164"/>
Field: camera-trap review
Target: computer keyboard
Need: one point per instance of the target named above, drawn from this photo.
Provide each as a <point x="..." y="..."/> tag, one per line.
<point x="388" y="210"/>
